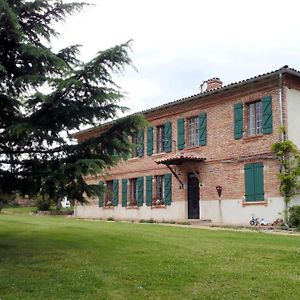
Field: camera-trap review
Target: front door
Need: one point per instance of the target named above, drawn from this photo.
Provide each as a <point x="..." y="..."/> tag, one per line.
<point x="193" y="196"/>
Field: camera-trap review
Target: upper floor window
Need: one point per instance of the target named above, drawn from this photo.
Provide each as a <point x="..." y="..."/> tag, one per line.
<point x="255" y="118"/>
<point x="193" y="132"/>
<point x="160" y="139"/>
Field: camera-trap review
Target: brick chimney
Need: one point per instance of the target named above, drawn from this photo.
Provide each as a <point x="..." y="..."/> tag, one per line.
<point x="211" y="84"/>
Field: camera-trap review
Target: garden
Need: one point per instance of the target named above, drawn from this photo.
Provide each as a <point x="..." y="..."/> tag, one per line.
<point x="55" y="257"/>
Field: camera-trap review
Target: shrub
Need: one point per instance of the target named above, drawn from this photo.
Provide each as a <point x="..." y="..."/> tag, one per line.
<point x="58" y="212"/>
<point x="42" y="202"/>
<point x="168" y="222"/>
<point x="183" y="223"/>
<point x="294" y="219"/>
<point x="147" y="221"/>
<point x="6" y="200"/>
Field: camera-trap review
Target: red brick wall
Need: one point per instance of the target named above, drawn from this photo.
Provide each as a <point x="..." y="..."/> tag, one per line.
<point x="225" y="156"/>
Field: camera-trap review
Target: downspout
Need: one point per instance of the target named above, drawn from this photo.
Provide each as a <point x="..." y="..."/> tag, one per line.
<point x="280" y="96"/>
<point x="282" y="135"/>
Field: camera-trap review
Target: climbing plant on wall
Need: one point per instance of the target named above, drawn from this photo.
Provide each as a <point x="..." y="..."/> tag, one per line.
<point x="288" y="155"/>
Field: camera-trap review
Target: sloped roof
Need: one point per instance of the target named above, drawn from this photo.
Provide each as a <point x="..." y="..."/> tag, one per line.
<point x="283" y="70"/>
<point x="179" y="158"/>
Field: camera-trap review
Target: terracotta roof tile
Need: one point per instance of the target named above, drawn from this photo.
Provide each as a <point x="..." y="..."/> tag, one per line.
<point x="180" y="157"/>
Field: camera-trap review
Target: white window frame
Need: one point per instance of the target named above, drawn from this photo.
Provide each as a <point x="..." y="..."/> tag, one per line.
<point x="255" y="118"/>
<point x="193" y="132"/>
<point x="160" y="139"/>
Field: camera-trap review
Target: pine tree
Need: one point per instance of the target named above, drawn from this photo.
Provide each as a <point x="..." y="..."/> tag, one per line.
<point x="35" y="157"/>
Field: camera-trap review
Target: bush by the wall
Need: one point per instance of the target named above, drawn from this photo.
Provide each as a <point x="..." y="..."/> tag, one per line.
<point x="294" y="219"/>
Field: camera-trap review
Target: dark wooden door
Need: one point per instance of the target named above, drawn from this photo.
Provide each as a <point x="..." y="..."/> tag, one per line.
<point x="193" y="196"/>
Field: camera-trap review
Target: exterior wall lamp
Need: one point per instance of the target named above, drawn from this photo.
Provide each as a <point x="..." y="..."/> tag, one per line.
<point x="219" y="190"/>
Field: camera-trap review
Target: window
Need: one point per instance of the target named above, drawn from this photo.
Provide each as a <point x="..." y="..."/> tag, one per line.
<point x="159" y="190"/>
<point x="255" y="118"/>
<point x="193" y="132"/>
<point x="160" y="139"/>
<point x="108" y="199"/>
<point x="159" y="198"/>
<point x="133" y="192"/>
<point x="254" y="182"/>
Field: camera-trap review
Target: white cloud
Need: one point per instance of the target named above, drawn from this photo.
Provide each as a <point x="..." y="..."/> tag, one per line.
<point x="178" y="44"/>
<point x="138" y="91"/>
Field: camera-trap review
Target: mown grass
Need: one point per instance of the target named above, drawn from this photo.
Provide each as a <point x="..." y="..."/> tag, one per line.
<point x="66" y="258"/>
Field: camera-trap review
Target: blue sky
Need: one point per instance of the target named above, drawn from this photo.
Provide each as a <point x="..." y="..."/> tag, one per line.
<point x="179" y="44"/>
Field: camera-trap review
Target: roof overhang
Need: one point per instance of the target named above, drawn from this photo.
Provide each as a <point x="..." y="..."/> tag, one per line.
<point x="180" y="159"/>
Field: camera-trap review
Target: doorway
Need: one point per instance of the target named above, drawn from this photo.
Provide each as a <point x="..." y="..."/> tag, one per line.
<point x="193" y="196"/>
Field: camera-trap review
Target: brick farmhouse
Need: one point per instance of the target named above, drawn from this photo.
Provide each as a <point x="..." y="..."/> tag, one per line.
<point x="206" y="156"/>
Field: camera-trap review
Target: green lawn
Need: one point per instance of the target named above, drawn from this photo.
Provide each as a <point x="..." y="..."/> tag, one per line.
<point x="65" y="258"/>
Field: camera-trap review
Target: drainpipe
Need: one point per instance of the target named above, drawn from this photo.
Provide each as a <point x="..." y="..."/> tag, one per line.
<point x="282" y="135"/>
<point x="280" y="94"/>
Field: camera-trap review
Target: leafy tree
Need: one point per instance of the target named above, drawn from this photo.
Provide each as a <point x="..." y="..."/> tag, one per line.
<point x="35" y="156"/>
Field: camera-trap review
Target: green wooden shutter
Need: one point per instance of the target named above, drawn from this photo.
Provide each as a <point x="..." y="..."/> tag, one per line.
<point x="140" y="143"/>
<point x="180" y="134"/>
<point x="238" y="121"/>
<point x="115" y="192"/>
<point x="168" y="136"/>
<point x="254" y="182"/>
<point x="267" y="118"/>
<point x="249" y="182"/>
<point x="124" y="192"/>
<point x="126" y="154"/>
<point x="150" y="141"/>
<point x="100" y="201"/>
<point x="140" y="183"/>
<point x="259" y="181"/>
<point x="202" y="129"/>
<point x="148" y="190"/>
<point x="168" y="188"/>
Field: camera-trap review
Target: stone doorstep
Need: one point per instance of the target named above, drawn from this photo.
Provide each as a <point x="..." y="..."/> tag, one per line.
<point x="201" y="222"/>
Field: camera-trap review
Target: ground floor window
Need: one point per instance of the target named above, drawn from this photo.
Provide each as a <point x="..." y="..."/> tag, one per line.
<point x="109" y="193"/>
<point x="108" y="199"/>
<point x="158" y="190"/>
<point x="254" y="182"/>
<point x="159" y="197"/>
<point x="136" y="192"/>
<point x="133" y="192"/>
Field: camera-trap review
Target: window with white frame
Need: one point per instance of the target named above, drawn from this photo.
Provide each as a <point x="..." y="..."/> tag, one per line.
<point x="160" y="139"/>
<point x="159" y="198"/>
<point x="193" y="132"/>
<point x="255" y="118"/>
<point x="133" y="192"/>
<point x="108" y="199"/>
